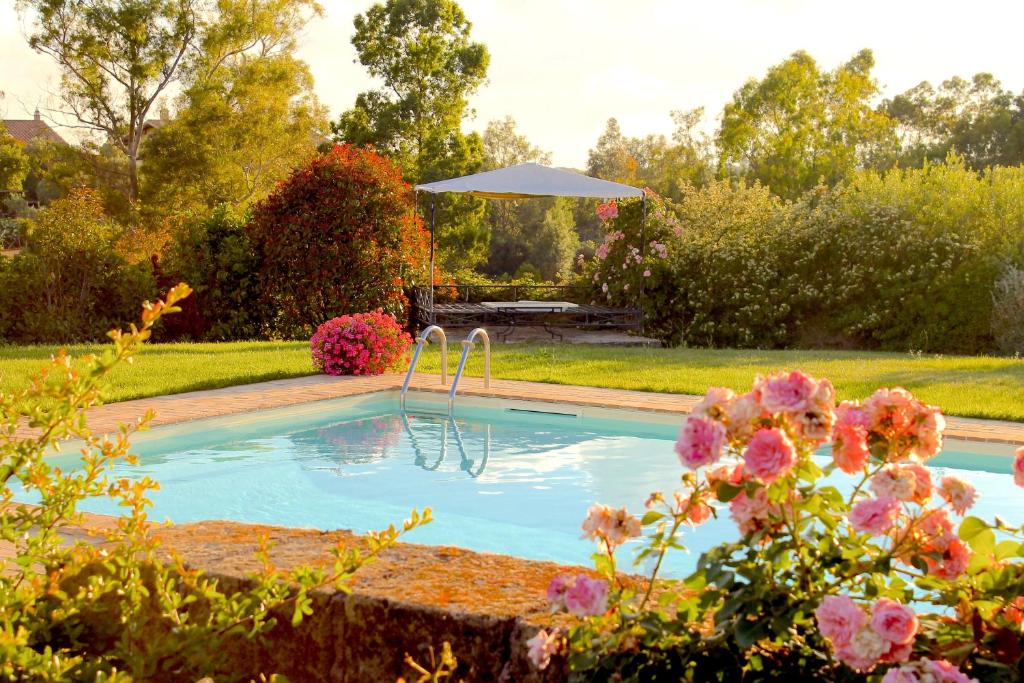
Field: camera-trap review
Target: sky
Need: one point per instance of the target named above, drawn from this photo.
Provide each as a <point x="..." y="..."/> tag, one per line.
<point x="561" y="68"/>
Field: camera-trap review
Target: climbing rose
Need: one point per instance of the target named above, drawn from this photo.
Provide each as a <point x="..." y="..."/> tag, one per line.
<point x="874" y="516"/>
<point x="1018" y="467"/>
<point x="740" y="415"/>
<point x="700" y="442"/>
<point x="958" y="493"/>
<point x="895" y="622"/>
<point x="556" y="591"/>
<point x="955" y="557"/>
<point x="909" y="483"/>
<point x="587" y="597"/>
<point x="752" y="513"/>
<point x="613" y="526"/>
<point x="542" y="646"/>
<point x="863" y="651"/>
<point x="839" y="618"/>
<point x="786" y="393"/>
<point x="927" y="671"/>
<point x="770" y="455"/>
<point x="715" y="403"/>
<point x="608" y="210"/>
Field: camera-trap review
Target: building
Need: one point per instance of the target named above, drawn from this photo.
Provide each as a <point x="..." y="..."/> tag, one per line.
<point x="27" y="130"/>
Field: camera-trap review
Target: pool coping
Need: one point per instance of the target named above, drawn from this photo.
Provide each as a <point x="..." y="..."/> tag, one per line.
<point x="243" y="398"/>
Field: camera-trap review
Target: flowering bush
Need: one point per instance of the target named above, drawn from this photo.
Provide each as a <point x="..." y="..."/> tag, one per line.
<point x="359" y="344"/>
<point x="885" y="580"/>
<point x="340" y="234"/>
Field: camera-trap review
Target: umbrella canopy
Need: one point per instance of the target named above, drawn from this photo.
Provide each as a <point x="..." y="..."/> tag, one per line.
<point x="531" y="180"/>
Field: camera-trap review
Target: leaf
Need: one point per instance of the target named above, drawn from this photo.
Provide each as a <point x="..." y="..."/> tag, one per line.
<point x="726" y="491"/>
<point x="651" y="517"/>
<point x="971" y="527"/>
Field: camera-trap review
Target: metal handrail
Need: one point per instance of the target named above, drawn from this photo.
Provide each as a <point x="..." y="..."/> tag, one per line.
<point x="422" y="340"/>
<point x="467" y="346"/>
<point x="466" y="463"/>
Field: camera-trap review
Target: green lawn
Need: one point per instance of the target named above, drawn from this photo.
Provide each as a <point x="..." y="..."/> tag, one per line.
<point x="971" y="386"/>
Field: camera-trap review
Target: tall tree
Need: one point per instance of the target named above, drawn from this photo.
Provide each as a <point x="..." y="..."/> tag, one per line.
<point x="14" y="163"/>
<point x="421" y="50"/>
<point x="515" y="224"/>
<point x="116" y="58"/>
<point x="799" y="126"/>
<point x="975" y="118"/>
<point x="246" y="117"/>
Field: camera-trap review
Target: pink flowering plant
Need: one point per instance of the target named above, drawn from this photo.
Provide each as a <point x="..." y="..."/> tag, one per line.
<point x="853" y="561"/>
<point x="359" y="344"/>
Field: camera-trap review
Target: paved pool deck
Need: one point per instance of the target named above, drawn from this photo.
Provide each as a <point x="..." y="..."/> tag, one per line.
<point x="194" y="405"/>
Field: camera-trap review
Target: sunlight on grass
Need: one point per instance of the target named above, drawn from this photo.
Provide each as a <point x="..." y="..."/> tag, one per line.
<point x="970" y="386"/>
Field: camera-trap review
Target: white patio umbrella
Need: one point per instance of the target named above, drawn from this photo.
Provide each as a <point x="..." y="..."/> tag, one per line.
<point x="526" y="181"/>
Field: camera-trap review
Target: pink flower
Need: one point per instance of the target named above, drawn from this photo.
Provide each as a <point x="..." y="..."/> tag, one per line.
<point x="696" y="508"/>
<point x="740" y="415"/>
<point x="714" y="404"/>
<point x="1018" y="467"/>
<point x="892" y="411"/>
<point x="587" y="597"/>
<point x="769" y="455"/>
<point x="556" y="591"/>
<point x="851" y="413"/>
<point x="958" y="493"/>
<point x="874" y="516"/>
<point x="850" y="447"/>
<point x="908" y="483"/>
<point x="930" y="426"/>
<point x="647" y="273"/>
<point x="542" y="646"/>
<point x="927" y="671"/>
<point x="752" y="513"/>
<point x="895" y="622"/>
<point x="955" y="558"/>
<point x="614" y="527"/>
<point x="787" y="393"/>
<point x="839" y="618"/>
<point x="898" y="652"/>
<point x="700" y="442"/>
<point x="863" y="650"/>
<point x="608" y="210"/>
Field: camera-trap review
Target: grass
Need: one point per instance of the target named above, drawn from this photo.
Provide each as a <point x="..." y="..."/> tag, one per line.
<point x="969" y="386"/>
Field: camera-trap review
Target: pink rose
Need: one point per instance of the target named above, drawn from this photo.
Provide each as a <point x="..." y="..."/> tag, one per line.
<point x="587" y="597"/>
<point x="740" y="415"/>
<point x="909" y="483"/>
<point x="958" y="493"/>
<point x="898" y="653"/>
<point x="895" y="622"/>
<point x="901" y="674"/>
<point x="955" y="558"/>
<point x="851" y="413"/>
<point x="927" y="670"/>
<point x="930" y="426"/>
<point x="892" y="411"/>
<point x="556" y="591"/>
<point x="850" y="447"/>
<point x="608" y="210"/>
<point x="769" y="455"/>
<point x="863" y="650"/>
<point x="700" y="442"/>
<point x="946" y="672"/>
<point x="839" y="618"/>
<point x="787" y="393"/>
<point x="612" y="526"/>
<point x="542" y="646"/>
<point x="714" y="404"/>
<point x="752" y="513"/>
<point x="874" y="516"/>
<point x="1018" y="467"/>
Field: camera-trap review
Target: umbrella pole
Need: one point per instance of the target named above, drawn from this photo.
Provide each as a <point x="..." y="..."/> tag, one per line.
<point x="433" y="218"/>
<point x="643" y="257"/>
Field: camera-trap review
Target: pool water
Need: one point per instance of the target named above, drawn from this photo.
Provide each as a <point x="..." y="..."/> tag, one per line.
<point x="498" y="480"/>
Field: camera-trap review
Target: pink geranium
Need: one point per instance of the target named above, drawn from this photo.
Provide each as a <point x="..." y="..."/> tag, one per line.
<point x="874" y="516"/>
<point x="769" y="455"/>
<point x="359" y="344"/>
<point x="958" y="493"/>
<point x="895" y="622"/>
<point x="700" y="442"/>
<point x="1018" y="467"/>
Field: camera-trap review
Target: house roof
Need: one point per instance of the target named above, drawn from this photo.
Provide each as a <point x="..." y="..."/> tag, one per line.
<point x="27" y="130"/>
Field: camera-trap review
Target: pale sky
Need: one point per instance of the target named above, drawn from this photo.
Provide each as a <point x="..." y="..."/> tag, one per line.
<point x="561" y="68"/>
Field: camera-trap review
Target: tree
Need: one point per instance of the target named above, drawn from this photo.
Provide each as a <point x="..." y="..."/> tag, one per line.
<point x="799" y="126"/>
<point x="116" y="59"/>
<point x="248" y="114"/>
<point x="977" y="119"/>
<point x="14" y="163"/>
<point x="556" y="242"/>
<point x="421" y="50"/>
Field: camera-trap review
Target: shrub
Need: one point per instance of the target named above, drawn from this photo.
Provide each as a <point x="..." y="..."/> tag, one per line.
<point x="340" y="235"/>
<point x="119" y="610"/>
<point x="823" y="585"/>
<point x="1008" y="311"/>
<point x="69" y="283"/>
<point x="359" y="344"/>
<point x="215" y="254"/>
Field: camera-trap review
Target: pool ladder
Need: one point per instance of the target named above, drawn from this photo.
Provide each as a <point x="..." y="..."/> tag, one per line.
<point x="467" y="346"/>
<point x="422" y="340"/>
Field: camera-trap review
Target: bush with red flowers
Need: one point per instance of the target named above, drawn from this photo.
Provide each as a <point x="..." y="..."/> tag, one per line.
<point x="359" y="344"/>
<point x="339" y="235"/>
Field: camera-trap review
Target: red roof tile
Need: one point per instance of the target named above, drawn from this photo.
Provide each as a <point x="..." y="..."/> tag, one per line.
<point x="27" y="130"/>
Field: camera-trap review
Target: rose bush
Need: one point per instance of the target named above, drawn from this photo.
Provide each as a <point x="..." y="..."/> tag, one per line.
<point x="881" y="579"/>
<point x="359" y="344"/>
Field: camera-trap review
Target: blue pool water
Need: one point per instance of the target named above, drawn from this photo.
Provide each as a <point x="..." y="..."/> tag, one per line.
<point x="517" y="483"/>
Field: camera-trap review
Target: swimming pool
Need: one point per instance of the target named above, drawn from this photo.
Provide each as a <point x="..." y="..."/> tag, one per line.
<point x="511" y="477"/>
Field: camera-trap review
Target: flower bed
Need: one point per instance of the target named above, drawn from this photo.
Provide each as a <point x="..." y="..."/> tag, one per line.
<point x="359" y="344"/>
<point x="891" y="582"/>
